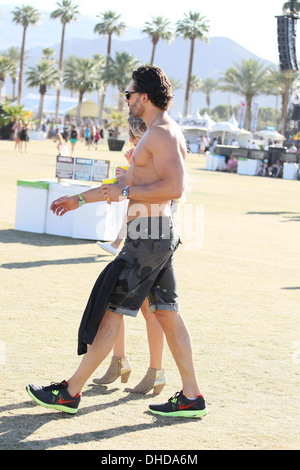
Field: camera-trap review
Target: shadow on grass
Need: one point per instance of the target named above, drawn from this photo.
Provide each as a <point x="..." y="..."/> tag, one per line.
<point x="15" y="429"/>
<point x="56" y="262"/>
<point x="44" y="240"/>
<point x="287" y="216"/>
<point x="38" y="239"/>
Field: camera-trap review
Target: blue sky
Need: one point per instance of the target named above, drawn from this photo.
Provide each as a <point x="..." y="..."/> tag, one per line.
<point x="251" y="24"/>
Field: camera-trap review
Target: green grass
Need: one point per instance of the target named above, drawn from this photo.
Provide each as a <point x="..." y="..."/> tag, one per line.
<point x="239" y="293"/>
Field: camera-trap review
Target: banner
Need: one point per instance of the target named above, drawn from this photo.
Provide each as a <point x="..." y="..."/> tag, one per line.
<point x="242" y="114"/>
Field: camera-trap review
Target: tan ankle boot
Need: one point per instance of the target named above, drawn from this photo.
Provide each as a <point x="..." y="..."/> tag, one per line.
<point x="117" y="368"/>
<point x="154" y="378"/>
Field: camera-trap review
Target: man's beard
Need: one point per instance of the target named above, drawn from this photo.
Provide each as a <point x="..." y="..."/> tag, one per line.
<point x="136" y="112"/>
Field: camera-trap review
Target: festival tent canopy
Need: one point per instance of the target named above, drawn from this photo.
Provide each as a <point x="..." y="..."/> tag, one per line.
<point x="227" y="130"/>
<point x="270" y="134"/>
<point x="207" y="122"/>
<point x="89" y="109"/>
<point x="190" y="120"/>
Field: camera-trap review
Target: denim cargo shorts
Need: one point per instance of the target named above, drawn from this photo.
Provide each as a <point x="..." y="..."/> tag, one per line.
<point x="148" y="269"/>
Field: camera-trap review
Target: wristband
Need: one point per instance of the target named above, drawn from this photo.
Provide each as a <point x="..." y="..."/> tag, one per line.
<point x="81" y="200"/>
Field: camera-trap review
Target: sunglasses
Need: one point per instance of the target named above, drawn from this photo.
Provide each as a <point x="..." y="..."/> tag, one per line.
<point x="129" y="93"/>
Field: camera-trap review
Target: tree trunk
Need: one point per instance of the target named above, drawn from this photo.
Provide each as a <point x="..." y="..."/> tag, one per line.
<point x="21" y="67"/>
<point x="248" y="112"/>
<point x="78" y="111"/>
<point x="101" y="106"/>
<point x="285" y="102"/>
<point x="188" y="82"/>
<point x="41" y="108"/>
<point x="60" y="70"/>
<point x="153" y="53"/>
<point x="14" y="89"/>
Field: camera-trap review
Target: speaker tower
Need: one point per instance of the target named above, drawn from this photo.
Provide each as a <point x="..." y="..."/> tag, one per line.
<point x="286" y="35"/>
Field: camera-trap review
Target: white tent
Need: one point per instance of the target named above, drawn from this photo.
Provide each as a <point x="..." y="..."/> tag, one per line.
<point x="233" y="121"/>
<point x="270" y="134"/>
<point x="193" y="127"/>
<point x="207" y="122"/>
<point x="228" y="130"/>
<point x="190" y="120"/>
<point x="225" y="130"/>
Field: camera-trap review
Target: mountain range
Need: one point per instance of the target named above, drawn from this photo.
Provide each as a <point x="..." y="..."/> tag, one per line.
<point x="210" y="59"/>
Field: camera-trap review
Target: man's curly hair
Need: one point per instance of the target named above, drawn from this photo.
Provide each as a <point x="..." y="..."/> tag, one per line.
<point x="153" y="81"/>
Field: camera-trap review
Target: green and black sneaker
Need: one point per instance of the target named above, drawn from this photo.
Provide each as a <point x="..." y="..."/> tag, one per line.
<point x="55" y="396"/>
<point x="180" y="406"/>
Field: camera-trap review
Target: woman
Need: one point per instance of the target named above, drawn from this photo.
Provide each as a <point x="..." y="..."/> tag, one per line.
<point x="73" y="137"/>
<point x="120" y="367"/>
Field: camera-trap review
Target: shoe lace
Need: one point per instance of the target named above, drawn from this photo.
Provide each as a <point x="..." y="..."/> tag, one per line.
<point x="174" y="397"/>
<point x="55" y="386"/>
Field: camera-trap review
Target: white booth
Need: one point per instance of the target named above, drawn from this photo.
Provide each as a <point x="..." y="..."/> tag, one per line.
<point x="290" y="171"/>
<point x="214" y="162"/>
<point x="96" y="221"/>
<point x="248" y="166"/>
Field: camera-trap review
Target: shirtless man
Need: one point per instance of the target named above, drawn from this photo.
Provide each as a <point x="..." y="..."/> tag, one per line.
<point x="156" y="177"/>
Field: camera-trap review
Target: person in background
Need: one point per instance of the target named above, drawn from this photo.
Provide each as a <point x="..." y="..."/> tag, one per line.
<point x="17" y="127"/>
<point x="231" y="165"/>
<point x="276" y="169"/>
<point x="292" y="148"/>
<point x="24" y="137"/>
<point x="61" y="146"/>
<point x="74" y="135"/>
<point x="136" y="130"/>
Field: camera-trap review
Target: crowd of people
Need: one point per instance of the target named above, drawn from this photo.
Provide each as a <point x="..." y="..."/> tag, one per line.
<point x="89" y="132"/>
<point x="21" y="137"/>
<point x="62" y="132"/>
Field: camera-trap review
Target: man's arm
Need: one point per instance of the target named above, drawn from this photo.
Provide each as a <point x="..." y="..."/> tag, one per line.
<point x="65" y="204"/>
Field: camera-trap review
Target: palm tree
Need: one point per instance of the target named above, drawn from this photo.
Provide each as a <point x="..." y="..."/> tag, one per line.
<point x="193" y="26"/>
<point x="248" y="79"/>
<point x="6" y="67"/>
<point x="280" y="84"/>
<point x="43" y="75"/>
<point x="48" y="54"/>
<point x="67" y="12"/>
<point x="119" y="72"/>
<point x="13" y="113"/>
<point x="207" y="86"/>
<point x="157" y="30"/>
<point x="289" y="6"/>
<point x="25" y="16"/>
<point x="195" y="85"/>
<point x="13" y="53"/>
<point x="107" y="27"/>
<point x="80" y="75"/>
<point x="117" y="120"/>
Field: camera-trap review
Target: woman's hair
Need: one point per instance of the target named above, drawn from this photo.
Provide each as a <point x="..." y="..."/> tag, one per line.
<point x="153" y="81"/>
<point x="137" y="126"/>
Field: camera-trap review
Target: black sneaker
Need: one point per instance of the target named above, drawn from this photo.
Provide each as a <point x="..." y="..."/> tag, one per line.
<point x="179" y="405"/>
<point x="55" y="396"/>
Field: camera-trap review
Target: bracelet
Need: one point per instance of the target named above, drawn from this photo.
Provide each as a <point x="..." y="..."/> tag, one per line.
<point x="81" y="200"/>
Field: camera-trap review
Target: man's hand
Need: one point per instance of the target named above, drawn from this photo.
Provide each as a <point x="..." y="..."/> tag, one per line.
<point x="64" y="204"/>
<point x="120" y="172"/>
<point x="112" y="192"/>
